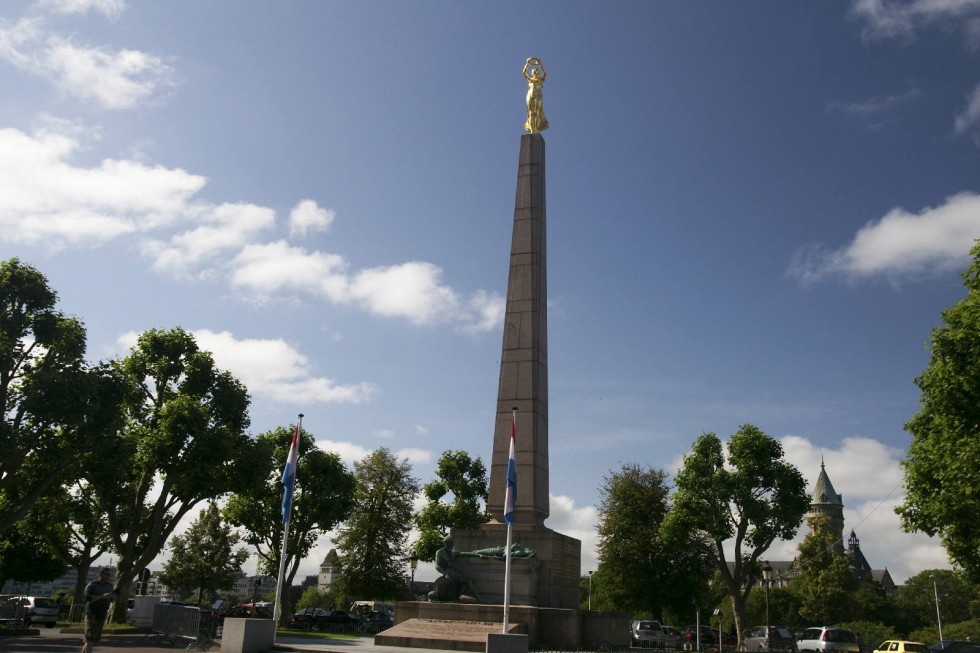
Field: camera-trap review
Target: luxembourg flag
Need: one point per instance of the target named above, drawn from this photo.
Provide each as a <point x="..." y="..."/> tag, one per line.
<point x="289" y="476"/>
<point x="511" y="492"/>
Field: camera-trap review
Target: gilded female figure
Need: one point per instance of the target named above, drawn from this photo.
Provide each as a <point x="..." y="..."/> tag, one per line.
<point x="536" y="122"/>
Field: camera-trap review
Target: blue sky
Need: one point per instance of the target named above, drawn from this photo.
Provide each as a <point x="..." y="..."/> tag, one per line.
<point x="756" y="213"/>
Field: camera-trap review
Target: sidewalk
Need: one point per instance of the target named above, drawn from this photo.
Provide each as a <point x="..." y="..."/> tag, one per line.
<point x="52" y="640"/>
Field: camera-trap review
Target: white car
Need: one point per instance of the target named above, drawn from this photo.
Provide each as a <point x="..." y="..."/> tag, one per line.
<point x="40" y="610"/>
<point x="823" y="639"/>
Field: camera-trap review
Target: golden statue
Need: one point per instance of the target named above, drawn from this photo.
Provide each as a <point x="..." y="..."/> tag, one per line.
<point x="536" y="122"/>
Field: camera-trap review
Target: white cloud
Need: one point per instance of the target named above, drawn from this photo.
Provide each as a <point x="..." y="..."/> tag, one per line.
<point x="46" y="200"/>
<point x="307" y="216"/>
<point x="222" y="228"/>
<point x="111" y="9"/>
<point x="413" y="291"/>
<point x="120" y="79"/>
<point x="970" y="115"/>
<point x="273" y="369"/>
<point x="576" y="521"/>
<point x="900" y="18"/>
<point x="900" y="244"/>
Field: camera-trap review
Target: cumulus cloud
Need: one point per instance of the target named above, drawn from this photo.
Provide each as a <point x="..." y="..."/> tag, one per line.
<point x="222" y="228"/>
<point x="413" y="291"/>
<point x="46" y="200"/>
<point x="120" y="79"/>
<point x="272" y="368"/>
<point x="111" y="9"/>
<point x="900" y="244"/>
<point x="350" y="453"/>
<point x="901" y="18"/>
<point x="969" y="116"/>
<point x="307" y="216"/>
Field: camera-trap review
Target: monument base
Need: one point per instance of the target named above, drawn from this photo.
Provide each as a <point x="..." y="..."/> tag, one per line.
<point x="549" y="580"/>
<point x="464" y="627"/>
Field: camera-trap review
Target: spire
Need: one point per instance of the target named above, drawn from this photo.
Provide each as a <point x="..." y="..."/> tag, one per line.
<point x="824" y="491"/>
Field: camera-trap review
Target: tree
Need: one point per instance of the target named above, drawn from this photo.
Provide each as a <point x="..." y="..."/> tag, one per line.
<point x="640" y="571"/>
<point x="53" y="404"/>
<point x="183" y="442"/>
<point x="466" y="479"/>
<point x="942" y="468"/>
<point x="917" y="598"/>
<point x="26" y="556"/>
<point x="204" y="557"/>
<point x="825" y="583"/>
<point x="372" y="541"/>
<point x="322" y="498"/>
<point x="756" y="499"/>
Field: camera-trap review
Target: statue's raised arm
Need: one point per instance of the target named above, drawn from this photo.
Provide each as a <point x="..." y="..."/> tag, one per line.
<point x="535" y="73"/>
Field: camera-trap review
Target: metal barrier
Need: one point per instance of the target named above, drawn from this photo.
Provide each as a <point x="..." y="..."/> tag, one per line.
<point x="13" y="614"/>
<point x="174" y="622"/>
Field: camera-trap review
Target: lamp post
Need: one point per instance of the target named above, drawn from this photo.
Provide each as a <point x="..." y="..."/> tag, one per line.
<point x="939" y="619"/>
<point x="766" y="579"/>
<point x="413" y="562"/>
<point x="590" y="589"/>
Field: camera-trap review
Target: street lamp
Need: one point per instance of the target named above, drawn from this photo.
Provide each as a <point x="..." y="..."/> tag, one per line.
<point x="590" y="589"/>
<point x="413" y="562"/>
<point x="766" y="579"/>
<point x="939" y="619"/>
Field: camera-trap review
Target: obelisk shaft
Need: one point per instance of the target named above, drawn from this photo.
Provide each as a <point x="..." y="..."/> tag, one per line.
<point x="524" y="355"/>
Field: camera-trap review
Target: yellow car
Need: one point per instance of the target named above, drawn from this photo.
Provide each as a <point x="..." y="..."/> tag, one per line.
<point x="902" y="646"/>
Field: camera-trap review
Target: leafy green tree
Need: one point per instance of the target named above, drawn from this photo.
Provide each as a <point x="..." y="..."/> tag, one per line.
<point x="753" y="500"/>
<point x="204" y="557"/>
<point x="322" y="498"/>
<point x="26" y="556"/>
<point x="183" y="442"/>
<point x="313" y="598"/>
<point x="54" y="406"/>
<point x="942" y="468"/>
<point x="464" y="478"/>
<point x="917" y="598"/>
<point x="372" y="541"/>
<point x="641" y="572"/>
<point x="825" y="582"/>
<point x="73" y="528"/>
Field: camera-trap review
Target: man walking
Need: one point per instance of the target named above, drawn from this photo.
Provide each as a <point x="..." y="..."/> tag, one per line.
<point x="98" y="596"/>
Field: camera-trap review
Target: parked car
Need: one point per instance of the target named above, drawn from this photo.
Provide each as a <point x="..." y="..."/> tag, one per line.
<point x="646" y="632"/>
<point x="955" y="646"/>
<point x="709" y="636"/>
<point x="303" y="619"/>
<point x="249" y="611"/>
<point x="778" y="639"/>
<point x="672" y="636"/>
<point x="39" y="610"/>
<point x="902" y="646"/>
<point x="376" y="621"/>
<point x="823" y="638"/>
<point x="335" y="621"/>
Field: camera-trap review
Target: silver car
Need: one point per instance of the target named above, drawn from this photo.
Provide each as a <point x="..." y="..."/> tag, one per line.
<point x="646" y="632"/>
<point x="778" y="639"/>
<point x="828" y="639"/>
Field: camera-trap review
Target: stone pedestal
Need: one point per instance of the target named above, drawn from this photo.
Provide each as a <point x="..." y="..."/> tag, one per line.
<point x="549" y="579"/>
<point x="248" y="635"/>
<point x="501" y="643"/>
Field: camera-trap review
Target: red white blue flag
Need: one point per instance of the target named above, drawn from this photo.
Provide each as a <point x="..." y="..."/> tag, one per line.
<point x="289" y="476"/>
<point x="511" y="492"/>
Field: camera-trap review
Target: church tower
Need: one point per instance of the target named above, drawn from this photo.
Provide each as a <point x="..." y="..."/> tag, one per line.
<point x="825" y="502"/>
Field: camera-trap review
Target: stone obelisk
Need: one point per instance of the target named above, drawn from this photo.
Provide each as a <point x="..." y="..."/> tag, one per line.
<point x="524" y="355"/>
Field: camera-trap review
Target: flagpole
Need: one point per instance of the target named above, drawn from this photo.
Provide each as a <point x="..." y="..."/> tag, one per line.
<point x="509" y="500"/>
<point x="287" y="500"/>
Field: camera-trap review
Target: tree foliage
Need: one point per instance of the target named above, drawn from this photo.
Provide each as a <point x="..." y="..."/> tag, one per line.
<point x="640" y="572"/>
<point x="53" y="404"/>
<point x="372" y="541"/>
<point x="322" y="498"/>
<point x="825" y="583"/>
<point x="753" y="501"/>
<point x="204" y="557"/>
<point x="466" y="479"/>
<point x="917" y="598"/>
<point x="942" y="468"/>
<point x="183" y="442"/>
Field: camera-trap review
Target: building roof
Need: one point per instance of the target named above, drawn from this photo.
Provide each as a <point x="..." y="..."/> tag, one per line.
<point x="824" y="491"/>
